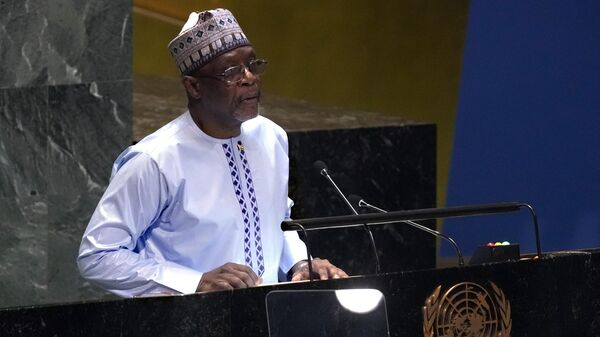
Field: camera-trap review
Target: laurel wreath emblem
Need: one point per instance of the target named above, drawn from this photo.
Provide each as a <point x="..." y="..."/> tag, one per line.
<point x="504" y="308"/>
<point x="430" y="312"/>
<point x="501" y="326"/>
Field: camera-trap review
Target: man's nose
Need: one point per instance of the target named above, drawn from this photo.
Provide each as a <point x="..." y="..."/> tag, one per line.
<point x="248" y="78"/>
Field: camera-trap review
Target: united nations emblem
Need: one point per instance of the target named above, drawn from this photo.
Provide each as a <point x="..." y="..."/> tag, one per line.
<point x="467" y="310"/>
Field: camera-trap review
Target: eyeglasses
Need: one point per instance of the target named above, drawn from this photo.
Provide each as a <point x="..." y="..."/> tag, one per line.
<point x="235" y="74"/>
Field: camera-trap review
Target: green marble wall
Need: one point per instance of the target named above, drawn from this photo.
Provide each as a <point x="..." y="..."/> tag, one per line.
<point x="65" y="113"/>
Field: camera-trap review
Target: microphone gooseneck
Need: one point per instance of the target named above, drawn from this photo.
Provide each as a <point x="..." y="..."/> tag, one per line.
<point x="320" y="166"/>
<point x="357" y="200"/>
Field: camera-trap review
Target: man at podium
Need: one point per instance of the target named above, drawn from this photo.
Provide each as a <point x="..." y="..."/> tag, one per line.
<point x="196" y="206"/>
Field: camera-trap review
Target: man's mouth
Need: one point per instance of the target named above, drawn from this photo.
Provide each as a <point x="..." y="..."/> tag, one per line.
<point x="251" y="98"/>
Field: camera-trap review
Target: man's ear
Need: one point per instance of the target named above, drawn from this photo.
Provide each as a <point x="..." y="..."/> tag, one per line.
<point x="192" y="87"/>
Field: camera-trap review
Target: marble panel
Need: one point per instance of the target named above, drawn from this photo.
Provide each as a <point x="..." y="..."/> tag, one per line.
<point x="23" y="45"/>
<point x="23" y="207"/>
<point x="56" y="149"/>
<point x="64" y="42"/>
<point x="23" y="130"/>
<point x="90" y="124"/>
<point x="89" y="41"/>
<point x="65" y="114"/>
<point x="64" y="283"/>
<point x="23" y="253"/>
<point x="390" y="167"/>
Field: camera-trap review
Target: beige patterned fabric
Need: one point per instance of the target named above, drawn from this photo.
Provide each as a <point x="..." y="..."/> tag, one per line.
<point x="205" y="36"/>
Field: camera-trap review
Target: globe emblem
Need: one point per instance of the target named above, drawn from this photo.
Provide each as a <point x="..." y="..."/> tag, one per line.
<point x="467" y="310"/>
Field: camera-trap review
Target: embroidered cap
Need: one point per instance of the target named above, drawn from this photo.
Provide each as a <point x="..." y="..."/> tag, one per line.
<point x="205" y="36"/>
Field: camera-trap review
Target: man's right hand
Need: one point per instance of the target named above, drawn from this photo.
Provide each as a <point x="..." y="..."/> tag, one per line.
<point x="228" y="276"/>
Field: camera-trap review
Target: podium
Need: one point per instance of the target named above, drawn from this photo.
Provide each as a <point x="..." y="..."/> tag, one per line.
<point x="557" y="295"/>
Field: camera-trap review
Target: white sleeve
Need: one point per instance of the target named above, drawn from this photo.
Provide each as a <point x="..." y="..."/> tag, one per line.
<point x="294" y="249"/>
<point x="132" y="203"/>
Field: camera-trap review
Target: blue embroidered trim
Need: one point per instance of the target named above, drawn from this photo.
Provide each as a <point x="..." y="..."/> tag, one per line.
<point x="254" y="205"/>
<point x="237" y="186"/>
<point x="251" y="195"/>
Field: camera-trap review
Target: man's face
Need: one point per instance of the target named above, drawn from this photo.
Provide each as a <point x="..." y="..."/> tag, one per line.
<point x="229" y="105"/>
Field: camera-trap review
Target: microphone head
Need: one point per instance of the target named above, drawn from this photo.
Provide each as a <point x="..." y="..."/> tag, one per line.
<point x="355" y="200"/>
<point x="320" y="166"/>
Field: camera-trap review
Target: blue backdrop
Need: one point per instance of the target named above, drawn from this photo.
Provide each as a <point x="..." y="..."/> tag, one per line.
<point x="528" y="124"/>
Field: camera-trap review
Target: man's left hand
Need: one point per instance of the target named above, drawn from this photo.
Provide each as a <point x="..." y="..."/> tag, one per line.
<point x="323" y="268"/>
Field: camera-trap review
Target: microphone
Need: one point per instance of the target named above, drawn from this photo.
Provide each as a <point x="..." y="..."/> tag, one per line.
<point x="320" y="166"/>
<point x="357" y="200"/>
<point x="361" y="203"/>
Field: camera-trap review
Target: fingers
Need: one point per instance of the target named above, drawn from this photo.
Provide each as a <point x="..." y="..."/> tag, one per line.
<point x="300" y="275"/>
<point x="228" y="276"/>
<point x="323" y="268"/>
<point x="243" y="273"/>
<point x="233" y="275"/>
<point x="300" y="271"/>
<point x="326" y="270"/>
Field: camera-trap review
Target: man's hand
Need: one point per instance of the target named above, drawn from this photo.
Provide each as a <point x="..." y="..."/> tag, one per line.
<point x="228" y="276"/>
<point x="323" y="268"/>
